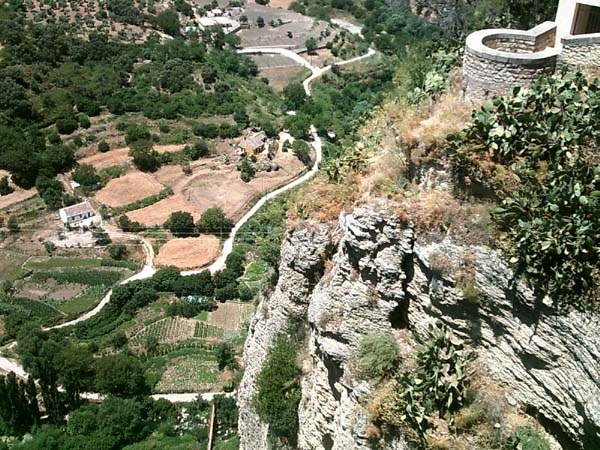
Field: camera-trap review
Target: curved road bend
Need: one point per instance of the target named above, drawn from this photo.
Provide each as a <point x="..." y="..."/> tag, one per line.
<point x="9" y="365"/>
<point x="146" y="272"/>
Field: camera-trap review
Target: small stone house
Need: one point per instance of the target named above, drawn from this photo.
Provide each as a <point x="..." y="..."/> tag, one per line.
<point x="77" y="215"/>
<point x="496" y="60"/>
<point x="253" y="143"/>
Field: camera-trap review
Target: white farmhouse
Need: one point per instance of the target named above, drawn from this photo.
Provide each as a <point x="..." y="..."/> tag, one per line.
<point x="80" y="214"/>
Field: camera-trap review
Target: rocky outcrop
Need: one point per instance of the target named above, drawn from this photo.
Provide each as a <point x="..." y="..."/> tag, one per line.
<point x="364" y="293"/>
<point x="302" y="259"/>
<point x="376" y="278"/>
<point x="550" y="361"/>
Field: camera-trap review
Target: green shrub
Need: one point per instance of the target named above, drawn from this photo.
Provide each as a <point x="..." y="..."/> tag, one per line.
<point x="302" y="151"/>
<point x="84" y="121"/>
<point x="537" y="151"/>
<point x="198" y="150"/>
<point x="377" y="356"/>
<point x="439" y="383"/>
<point x="5" y="188"/>
<point x="526" y="438"/>
<point x="214" y="221"/>
<point x="67" y="125"/>
<point x="278" y="391"/>
<point x="117" y="251"/>
<point x="103" y="146"/>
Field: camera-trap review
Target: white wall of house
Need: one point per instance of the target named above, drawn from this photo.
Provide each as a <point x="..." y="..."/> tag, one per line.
<point x="565" y="16"/>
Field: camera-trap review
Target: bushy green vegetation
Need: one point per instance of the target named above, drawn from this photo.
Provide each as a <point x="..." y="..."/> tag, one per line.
<point x="19" y="409"/>
<point x="437" y="385"/>
<point x="536" y="150"/>
<point x="339" y="101"/>
<point x="526" y="438"/>
<point x="47" y="73"/>
<point x="377" y="356"/>
<point x="214" y="221"/>
<point x="278" y="391"/>
<point x="88" y="277"/>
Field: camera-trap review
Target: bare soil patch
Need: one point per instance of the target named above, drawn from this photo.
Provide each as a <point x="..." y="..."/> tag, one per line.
<point x="159" y="212"/>
<point x="280" y="77"/>
<point x="283" y="4"/>
<point x="120" y="156"/>
<point x="231" y="315"/>
<point x="50" y="290"/>
<point x="226" y="189"/>
<point x="322" y="58"/>
<point x="189" y="253"/>
<point x="16" y="197"/>
<point x="127" y="189"/>
<point x="294" y="31"/>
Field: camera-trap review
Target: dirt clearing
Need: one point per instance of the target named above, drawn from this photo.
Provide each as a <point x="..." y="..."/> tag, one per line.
<point x="18" y="196"/>
<point x="120" y="156"/>
<point x="283" y="4"/>
<point x="231" y="315"/>
<point x="158" y="213"/>
<point x="226" y="189"/>
<point x="189" y="253"/>
<point x="127" y="189"/>
<point x="280" y="77"/>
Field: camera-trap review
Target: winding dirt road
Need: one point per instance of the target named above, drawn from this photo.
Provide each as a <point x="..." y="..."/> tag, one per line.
<point x="9" y="365"/>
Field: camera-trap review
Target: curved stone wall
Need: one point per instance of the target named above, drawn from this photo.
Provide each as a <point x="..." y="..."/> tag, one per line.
<point x="496" y="60"/>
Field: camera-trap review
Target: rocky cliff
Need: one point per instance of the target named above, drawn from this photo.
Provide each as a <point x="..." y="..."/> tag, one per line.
<point x="370" y="275"/>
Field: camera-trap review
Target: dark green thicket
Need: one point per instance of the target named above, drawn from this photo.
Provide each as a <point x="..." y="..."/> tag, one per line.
<point x="46" y="73"/>
<point x="278" y="391"/>
<point x="537" y="150"/>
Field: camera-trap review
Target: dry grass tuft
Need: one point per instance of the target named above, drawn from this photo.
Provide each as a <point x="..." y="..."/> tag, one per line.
<point x="428" y="125"/>
<point x="430" y="209"/>
<point x="325" y="201"/>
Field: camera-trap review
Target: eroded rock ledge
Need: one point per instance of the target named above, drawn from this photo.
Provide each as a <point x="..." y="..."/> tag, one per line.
<point x="379" y="278"/>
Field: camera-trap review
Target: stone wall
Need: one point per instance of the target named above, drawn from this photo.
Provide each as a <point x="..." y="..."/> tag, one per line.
<point x="545" y="36"/>
<point x="509" y="43"/>
<point x="495" y="61"/>
<point x="487" y="77"/>
<point x="581" y="51"/>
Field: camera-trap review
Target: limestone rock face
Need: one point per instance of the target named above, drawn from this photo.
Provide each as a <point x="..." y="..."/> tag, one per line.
<point x="301" y="260"/>
<point x="354" y="299"/>
<point x="550" y="361"/>
<point x="370" y="276"/>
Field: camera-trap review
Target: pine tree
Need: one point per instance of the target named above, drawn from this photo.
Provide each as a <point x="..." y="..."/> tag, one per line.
<point x="34" y="407"/>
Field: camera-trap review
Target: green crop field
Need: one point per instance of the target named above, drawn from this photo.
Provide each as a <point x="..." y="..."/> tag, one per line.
<point x="82" y="303"/>
<point x="10" y="265"/>
<point x="190" y="373"/>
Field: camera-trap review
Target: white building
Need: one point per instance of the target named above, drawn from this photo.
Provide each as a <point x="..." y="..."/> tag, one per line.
<point x="228" y="25"/>
<point x="577" y="17"/>
<point x="81" y="214"/>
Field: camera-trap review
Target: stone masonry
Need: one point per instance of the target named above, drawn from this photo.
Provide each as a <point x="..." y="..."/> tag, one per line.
<point x="497" y="60"/>
<point x="581" y="51"/>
